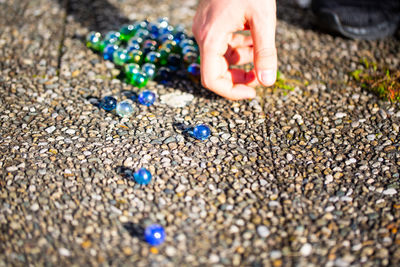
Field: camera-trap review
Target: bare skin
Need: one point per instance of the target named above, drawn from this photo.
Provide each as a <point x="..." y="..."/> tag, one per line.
<point x="214" y="27"/>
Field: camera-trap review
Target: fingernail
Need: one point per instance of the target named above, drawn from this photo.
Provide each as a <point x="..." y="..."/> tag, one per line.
<point x="268" y="77"/>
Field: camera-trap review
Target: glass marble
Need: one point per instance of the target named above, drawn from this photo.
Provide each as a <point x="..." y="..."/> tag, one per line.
<point x="111" y="37"/>
<point x="142" y="33"/>
<point x="136" y="56"/>
<point x="120" y="56"/>
<point x="140" y="24"/>
<point x="163" y="22"/>
<point x="186" y="42"/>
<point x="179" y="36"/>
<point x="133" y="46"/>
<point x="163" y="75"/>
<point x="142" y="176"/>
<point x="154" y="234"/>
<point x="150" y="70"/>
<point x="140" y="80"/>
<point x="166" y="37"/>
<point x="174" y="61"/>
<point x="189" y="48"/>
<point x="152" y="27"/>
<point x="135" y="40"/>
<point x="153" y="57"/>
<point x="93" y="41"/>
<point x="108" y="103"/>
<point x="148" y="46"/>
<point x="124" y="108"/>
<point x="194" y="69"/>
<point x="169" y="44"/>
<point x="164" y="53"/>
<point x="147" y="98"/>
<point x="127" y="32"/>
<point x="131" y="70"/>
<point x="201" y="132"/>
<point x="190" y="58"/>
<point x="109" y="51"/>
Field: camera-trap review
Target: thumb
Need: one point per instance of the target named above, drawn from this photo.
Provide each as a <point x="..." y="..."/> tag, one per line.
<point x="265" y="59"/>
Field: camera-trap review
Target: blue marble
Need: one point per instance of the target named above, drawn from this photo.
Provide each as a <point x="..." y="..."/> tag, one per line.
<point x="109" y="51"/>
<point x="154" y="234"/>
<point x="142" y="176"/>
<point x="133" y="46"/>
<point x="112" y="37"/>
<point x="189" y="48"/>
<point x="168" y="29"/>
<point x="108" y="103"/>
<point x="152" y="27"/>
<point x="124" y="108"/>
<point x="142" y="33"/>
<point x="147" y="98"/>
<point x="150" y="70"/>
<point x="186" y="42"/>
<point x="135" y="40"/>
<point x="179" y="36"/>
<point x="194" y="69"/>
<point x="163" y="22"/>
<point x="163" y="75"/>
<point x="153" y="57"/>
<point x="165" y="37"/>
<point x="201" y="132"/>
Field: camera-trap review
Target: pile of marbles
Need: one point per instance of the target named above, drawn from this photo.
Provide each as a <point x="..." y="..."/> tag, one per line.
<point x="148" y="51"/>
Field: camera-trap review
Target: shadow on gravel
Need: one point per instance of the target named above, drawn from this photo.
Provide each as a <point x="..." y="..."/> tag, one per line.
<point x="96" y="15"/>
<point x="135" y="230"/>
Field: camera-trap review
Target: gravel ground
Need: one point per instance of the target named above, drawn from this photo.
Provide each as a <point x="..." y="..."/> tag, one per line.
<point x="305" y="178"/>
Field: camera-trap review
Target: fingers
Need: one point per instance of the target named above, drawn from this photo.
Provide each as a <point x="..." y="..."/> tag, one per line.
<point x="262" y="27"/>
<point x="239" y="56"/>
<point x="218" y="78"/>
<point x="241" y="40"/>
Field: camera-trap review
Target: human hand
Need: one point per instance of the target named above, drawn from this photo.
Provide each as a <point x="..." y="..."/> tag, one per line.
<point x="214" y="27"/>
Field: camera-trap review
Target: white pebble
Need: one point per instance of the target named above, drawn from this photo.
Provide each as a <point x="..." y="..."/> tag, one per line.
<point x="177" y="100"/>
<point x="275" y="254"/>
<point x="64" y="252"/>
<point x="70" y="131"/>
<point x="351" y="161"/>
<point x="306" y="249"/>
<point x="289" y="157"/>
<point x="340" y="115"/>
<point x="170" y="251"/>
<point x="50" y="129"/>
<point x="371" y="137"/>
<point x="12" y="168"/>
<point x="34" y="207"/>
<point x="214" y="258"/>
<point x="263" y="231"/>
<point x="390" y="191"/>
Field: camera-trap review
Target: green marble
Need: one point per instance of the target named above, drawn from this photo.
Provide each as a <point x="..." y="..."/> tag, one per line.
<point x="127" y="32"/>
<point x="93" y="41"/>
<point x="120" y="57"/>
<point x="136" y="56"/>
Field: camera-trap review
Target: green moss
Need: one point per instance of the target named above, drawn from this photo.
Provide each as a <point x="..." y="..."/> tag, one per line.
<point x="382" y="82"/>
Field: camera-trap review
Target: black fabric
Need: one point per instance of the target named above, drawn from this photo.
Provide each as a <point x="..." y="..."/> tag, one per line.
<point x="360" y="13"/>
<point x="359" y="19"/>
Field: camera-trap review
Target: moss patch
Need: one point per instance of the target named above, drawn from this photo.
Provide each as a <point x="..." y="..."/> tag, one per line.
<point x="384" y="83"/>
